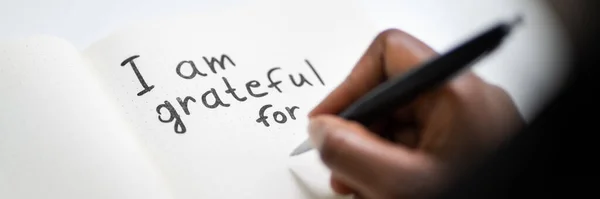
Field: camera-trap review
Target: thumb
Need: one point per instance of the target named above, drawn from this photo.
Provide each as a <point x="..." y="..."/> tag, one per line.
<point x="362" y="160"/>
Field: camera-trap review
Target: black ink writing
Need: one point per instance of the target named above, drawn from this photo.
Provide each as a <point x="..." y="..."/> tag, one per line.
<point x="302" y="80"/>
<point x="314" y="71"/>
<point x="184" y="103"/>
<point x="173" y="115"/>
<point x="137" y="74"/>
<point x="262" y="118"/>
<point x="254" y="84"/>
<point x="278" y="79"/>
<point x="218" y="101"/>
<point x="195" y="70"/>
<point x="231" y="91"/>
<point x="273" y="84"/>
<point x="278" y="116"/>
<point x="211" y="63"/>
<point x="291" y="111"/>
<point x="281" y="119"/>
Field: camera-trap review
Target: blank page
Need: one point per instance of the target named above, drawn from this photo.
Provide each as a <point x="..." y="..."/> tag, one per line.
<point x="60" y="134"/>
<point x="210" y="142"/>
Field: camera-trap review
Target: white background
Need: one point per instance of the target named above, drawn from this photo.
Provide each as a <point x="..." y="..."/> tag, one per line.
<point x="527" y="67"/>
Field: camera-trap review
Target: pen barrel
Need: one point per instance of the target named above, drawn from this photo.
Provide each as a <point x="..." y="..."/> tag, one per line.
<point x="401" y="90"/>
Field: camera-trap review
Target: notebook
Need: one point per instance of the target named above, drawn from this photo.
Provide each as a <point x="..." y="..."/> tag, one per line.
<point x="196" y="106"/>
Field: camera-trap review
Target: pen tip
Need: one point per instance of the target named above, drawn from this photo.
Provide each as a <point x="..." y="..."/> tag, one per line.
<point x="305" y="146"/>
<point x="298" y="151"/>
<point x="518" y="20"/>
<point x="294" y="153"/>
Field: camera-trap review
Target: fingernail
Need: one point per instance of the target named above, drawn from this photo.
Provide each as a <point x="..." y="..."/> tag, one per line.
<point x="317" y="130"/>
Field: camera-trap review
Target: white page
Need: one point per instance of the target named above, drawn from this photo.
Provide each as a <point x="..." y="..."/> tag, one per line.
<point x="60" y="136"/>
<point x="224" y="152"/>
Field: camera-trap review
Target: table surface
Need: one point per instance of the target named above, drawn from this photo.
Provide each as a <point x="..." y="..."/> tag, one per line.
<point x="528" y="68"/>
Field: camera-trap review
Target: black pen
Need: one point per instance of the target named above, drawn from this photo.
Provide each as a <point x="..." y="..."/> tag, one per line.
<point x="403" y="89"/>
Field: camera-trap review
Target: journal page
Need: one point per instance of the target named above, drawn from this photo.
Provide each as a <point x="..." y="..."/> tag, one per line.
<point x="61" y="135"/>
<point x="221" y="99"/>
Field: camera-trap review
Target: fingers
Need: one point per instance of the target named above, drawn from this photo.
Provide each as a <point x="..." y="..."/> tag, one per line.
<point x="392" y="52"/>
<point x="339" y="187"/>
<point x="358" y="158"/>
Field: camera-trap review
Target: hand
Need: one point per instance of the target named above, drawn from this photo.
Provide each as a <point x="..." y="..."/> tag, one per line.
<point x="436" y="136"/>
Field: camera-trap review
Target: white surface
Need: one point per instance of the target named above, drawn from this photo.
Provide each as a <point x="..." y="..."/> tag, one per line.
<point x="223" y="154"/>
<point x="528" y="67"/>
<point x="44" y="109"/>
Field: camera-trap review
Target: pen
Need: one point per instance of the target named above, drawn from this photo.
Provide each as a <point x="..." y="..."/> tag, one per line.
<point x="404" y="88"/>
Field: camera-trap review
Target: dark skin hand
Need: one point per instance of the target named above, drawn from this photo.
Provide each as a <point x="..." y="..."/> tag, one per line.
<point x="436" y="136"/>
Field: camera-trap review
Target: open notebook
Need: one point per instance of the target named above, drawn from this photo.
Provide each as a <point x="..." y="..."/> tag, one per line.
<point x="204" y="106"/>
